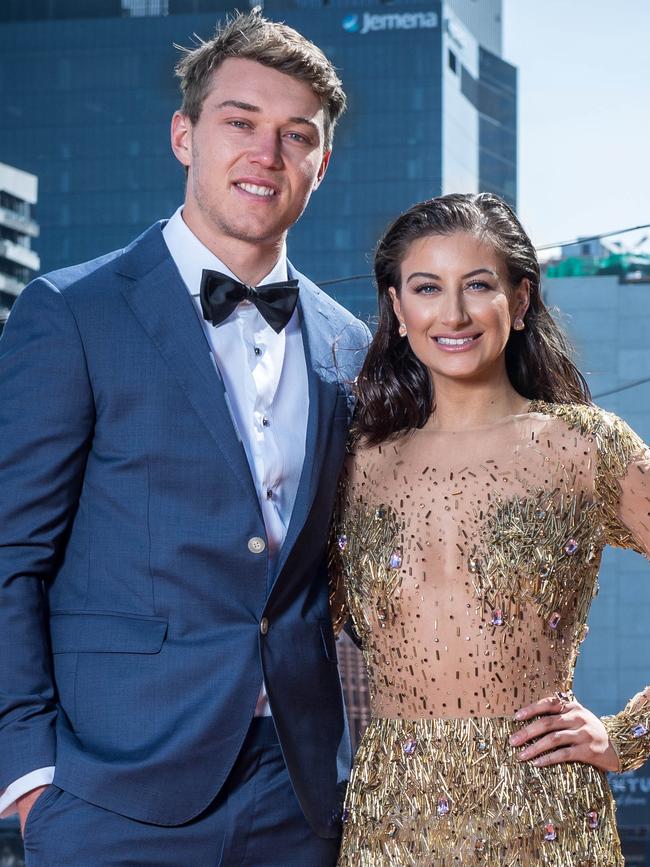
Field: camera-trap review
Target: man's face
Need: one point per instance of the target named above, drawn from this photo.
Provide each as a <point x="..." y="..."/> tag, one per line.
<point x="254" y="156"/>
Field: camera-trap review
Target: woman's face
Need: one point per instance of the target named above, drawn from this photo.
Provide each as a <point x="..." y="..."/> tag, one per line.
<point x="458" y="306"/>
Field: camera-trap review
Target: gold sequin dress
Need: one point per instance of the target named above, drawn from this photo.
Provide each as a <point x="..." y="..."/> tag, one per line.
<point x="467" y="562"/>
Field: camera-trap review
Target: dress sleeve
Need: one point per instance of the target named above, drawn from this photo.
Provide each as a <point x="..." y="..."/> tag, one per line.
<point x="624" y="481"/>
<point x="629" y="732"/>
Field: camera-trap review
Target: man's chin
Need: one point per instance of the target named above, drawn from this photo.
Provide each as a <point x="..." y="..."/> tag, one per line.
<point x="255" y="233"/>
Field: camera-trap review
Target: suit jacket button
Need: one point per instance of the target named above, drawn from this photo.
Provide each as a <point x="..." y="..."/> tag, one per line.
<point x="264" y="625"/>
<point x="256" y="545"/>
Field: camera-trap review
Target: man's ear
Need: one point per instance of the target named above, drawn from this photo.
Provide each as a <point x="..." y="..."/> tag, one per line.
<point x="322" y="169"/>
<point x="181" y="138"/>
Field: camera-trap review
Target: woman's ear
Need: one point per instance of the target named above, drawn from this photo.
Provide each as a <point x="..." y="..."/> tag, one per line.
<point x="397" y="307"/>
<point x="521" y="299"/>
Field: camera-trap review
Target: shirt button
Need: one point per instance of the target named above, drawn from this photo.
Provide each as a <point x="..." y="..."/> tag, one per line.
<point x="269" y="493"/>
<point x="256" y="545"/>
<point x="266" y="421"/>
<point x="264" y="625"/>
<point x="258" y="351"/>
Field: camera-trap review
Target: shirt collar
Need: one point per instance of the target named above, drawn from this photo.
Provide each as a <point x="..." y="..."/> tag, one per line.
<point x="191" y="256"/>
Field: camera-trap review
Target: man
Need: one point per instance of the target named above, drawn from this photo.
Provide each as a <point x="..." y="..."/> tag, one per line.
<point x="170" y="440"/>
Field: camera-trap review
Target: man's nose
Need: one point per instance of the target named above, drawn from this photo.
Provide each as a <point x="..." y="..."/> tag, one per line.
<point x="266" y="149"/>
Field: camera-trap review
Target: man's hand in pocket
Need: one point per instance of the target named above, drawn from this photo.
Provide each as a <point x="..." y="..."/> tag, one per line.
<point x="25" y="804"/>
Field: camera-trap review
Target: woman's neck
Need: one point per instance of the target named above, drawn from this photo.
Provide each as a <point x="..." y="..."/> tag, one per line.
<point x="464" y="405"/>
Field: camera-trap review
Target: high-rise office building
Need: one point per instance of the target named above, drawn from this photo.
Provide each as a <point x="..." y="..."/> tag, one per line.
<point x="88" y="93"/>
<point x="484" y="20"/>
<point x="18" y="262"/>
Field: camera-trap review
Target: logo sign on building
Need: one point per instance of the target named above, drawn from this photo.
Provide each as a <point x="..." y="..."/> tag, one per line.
<point x="370" y="23"/>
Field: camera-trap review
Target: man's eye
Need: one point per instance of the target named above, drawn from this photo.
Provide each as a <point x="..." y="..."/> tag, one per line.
<point x="296" y="136"/>
<point x="238" y="124"/>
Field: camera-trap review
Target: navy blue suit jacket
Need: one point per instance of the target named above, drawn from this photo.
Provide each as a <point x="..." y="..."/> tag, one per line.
<point x="131" y="654"/>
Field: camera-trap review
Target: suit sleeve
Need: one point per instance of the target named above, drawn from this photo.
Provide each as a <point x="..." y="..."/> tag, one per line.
<point x="625" y="491"/>
<point x="46" y="424"/>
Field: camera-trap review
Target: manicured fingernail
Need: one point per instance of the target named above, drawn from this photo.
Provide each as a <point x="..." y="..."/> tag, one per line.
<point x="519" y="714"/>
<point x="524" y="754"/>
<point x="537" y="762"/>
<point x="514" y="740"/>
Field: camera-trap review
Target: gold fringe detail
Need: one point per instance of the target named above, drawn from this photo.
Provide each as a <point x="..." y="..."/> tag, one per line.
<point x="445" y="792"/>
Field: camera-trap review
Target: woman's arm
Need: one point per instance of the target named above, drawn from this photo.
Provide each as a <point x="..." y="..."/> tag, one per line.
<point x="571" y="732"/>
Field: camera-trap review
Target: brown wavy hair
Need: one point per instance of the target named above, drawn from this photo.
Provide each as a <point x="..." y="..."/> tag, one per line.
<point x="394" y="388"/>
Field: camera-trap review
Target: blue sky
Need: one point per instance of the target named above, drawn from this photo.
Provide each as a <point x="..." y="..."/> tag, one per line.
<point x="584" y="124"/>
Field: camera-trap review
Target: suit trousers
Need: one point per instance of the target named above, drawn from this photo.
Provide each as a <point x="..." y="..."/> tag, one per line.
<point x="255" y="821"/>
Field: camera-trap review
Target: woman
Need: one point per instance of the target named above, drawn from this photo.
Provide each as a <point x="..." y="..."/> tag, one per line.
<point x="482" y="487"/>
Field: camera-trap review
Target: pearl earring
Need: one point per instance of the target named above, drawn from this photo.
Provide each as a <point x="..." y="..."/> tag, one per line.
<point x="402" y="329"/>
<point x="519" y="324"/>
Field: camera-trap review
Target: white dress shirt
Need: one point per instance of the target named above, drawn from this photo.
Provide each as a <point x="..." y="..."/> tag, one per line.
<point x="265" y="377"/>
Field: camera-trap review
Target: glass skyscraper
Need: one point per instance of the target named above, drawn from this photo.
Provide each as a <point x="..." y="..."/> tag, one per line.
<point x="89" y="91"/>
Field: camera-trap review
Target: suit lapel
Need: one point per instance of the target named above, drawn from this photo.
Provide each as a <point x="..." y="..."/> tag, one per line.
<point x="160" y="301"/>
<point x="323" y="393"/>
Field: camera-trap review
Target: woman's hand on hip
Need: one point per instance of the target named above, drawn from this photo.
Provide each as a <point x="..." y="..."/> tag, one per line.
<point x="565" y="732"/>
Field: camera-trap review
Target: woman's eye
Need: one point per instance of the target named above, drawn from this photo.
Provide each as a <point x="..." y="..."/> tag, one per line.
<point x="426" y="289"/>
<point x="478" y="286"/>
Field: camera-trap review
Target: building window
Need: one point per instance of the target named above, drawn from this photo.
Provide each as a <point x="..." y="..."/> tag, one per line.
<point x="145" y="8"/>
<point x="452" y="61"/>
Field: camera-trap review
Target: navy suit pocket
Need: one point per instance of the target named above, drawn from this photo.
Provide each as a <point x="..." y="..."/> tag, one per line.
<point x="121" y="699"/>
<point x="99" y="649"/>
<point x="106" y="632"/>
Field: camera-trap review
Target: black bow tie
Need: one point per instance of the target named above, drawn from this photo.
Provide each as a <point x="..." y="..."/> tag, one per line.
<point x="220" y="295"/>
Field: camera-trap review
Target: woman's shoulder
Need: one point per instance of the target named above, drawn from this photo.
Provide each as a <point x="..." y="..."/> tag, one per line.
<point x="613" y="437"/>
<point x="588" y="418"/>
